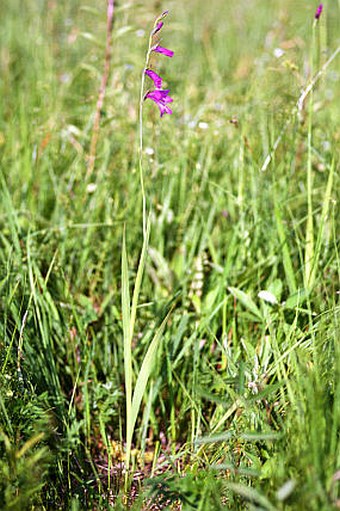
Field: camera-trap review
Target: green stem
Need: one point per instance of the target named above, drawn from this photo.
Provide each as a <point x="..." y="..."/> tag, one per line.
<point x="309" y="250"/>
<point x="141" y="102"/>
<point x="140" y="152"/>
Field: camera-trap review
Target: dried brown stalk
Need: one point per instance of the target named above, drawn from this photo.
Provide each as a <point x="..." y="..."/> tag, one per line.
<point x="96" y="123"/>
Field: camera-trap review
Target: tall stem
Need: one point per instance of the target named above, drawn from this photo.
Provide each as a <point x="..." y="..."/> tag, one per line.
<point x="157" y="25"/>
<point x="140" y="152"/>
<point x="309" y="250"/>
<point x="129" y="311"/>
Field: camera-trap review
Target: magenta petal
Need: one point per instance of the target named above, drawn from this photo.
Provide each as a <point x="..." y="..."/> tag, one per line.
<point x="157" y="80"/>
<point x="164" y="109"/>
<point x="157" y="27"/>
<point x="318" y="11"/>
<point x="163" y="51"/>
<point x="161" y="98"/>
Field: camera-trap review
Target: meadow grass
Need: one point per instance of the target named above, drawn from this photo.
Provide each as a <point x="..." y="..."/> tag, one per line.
<point x="196" y="343"/>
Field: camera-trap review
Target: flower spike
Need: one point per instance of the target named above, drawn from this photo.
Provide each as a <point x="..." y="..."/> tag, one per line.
<point x="160" y="96"/>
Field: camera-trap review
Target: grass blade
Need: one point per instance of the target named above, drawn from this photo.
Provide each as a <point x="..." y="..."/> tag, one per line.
<point x="129" y="318"/>
<point x="139" y="277"/>
<point x="323" y="219"/>
<point x="127" y="334"/>
<point x="246" y="301"/>
<point x="145" y="370"/>
<point x="287" y="262"/>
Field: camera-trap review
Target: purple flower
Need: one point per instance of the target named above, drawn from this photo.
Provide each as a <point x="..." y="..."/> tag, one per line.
<point x="163" y="51"/>
<point x="162" y="99"/>
<point x="157" y="80"/>
<point x="160" y="96"/>
<point x="157" y="27"/>
<point x="318" y="12"/>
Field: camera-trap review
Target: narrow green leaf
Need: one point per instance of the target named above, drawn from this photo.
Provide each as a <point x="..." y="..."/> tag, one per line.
<point x="139" y="277"/>
<point x="259" y="437"/>
<point x="246" y="301"/>
<point x="10" y="213"/>
<point x="145" y="370"/>
<point x="221" y="437"/>
<point x="129" y="318"/>
<point x="252" y="495"/>
<point x="126" y="316"/>
<point x="296" y="299"/>
<point x="323" y="220"/>
<point x="287" y="262"/>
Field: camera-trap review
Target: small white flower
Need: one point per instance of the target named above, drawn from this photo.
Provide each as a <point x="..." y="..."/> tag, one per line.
<point x="267" y="296"/>
<point x="91" y="187"/>
<point x="149" y="151"/>
<point x="203" y="125"/>
<point x="278" y="53"/>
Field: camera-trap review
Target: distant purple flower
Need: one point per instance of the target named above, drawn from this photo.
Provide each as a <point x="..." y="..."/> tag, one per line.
<point x="318" y="12"/>
<point x="163" y="51"/>
<point x="162" y="99"/>
<point x="157" y="80"/>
